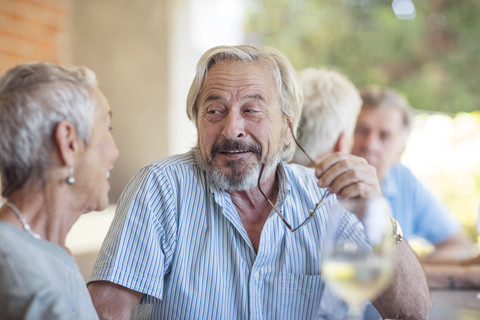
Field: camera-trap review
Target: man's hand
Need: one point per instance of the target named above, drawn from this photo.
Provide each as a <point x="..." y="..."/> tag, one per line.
<point x="348" y="176"/>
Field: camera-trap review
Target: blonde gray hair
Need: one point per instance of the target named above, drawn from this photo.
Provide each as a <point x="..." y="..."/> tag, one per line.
<point x="284" y="75"/>
<point x="331" y="106"/>
<point x="375" y="97"/>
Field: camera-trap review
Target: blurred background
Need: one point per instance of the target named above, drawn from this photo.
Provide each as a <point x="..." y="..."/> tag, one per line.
<point x="144" y="54"/>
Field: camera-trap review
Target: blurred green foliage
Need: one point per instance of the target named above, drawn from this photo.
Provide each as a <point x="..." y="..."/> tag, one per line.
<point x="434" y="59"/>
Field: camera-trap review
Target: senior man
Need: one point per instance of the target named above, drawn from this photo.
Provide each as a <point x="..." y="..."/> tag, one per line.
<point x="218" y="233"/>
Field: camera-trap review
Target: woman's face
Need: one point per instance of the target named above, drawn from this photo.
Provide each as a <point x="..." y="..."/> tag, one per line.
<point x="92" y="170"/>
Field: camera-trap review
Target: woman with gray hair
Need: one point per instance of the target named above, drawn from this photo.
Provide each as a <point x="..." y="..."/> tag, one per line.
<point x="56" y="153"/>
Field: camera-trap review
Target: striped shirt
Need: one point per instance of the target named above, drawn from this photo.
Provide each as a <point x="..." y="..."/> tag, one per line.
<point x="179" y="240"/>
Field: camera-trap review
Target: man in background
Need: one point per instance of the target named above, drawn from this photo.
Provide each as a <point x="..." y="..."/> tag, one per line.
<point x="330" y="110"/>
<point x="381" y="133"/>
<point x="331" y="107"/>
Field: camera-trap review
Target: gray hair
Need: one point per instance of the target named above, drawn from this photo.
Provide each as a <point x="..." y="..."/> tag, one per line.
<point x="332" y="104"/>
<point x="284" y="76"/>
<point x="34" y="98"/>
<point x="375" y="97"/>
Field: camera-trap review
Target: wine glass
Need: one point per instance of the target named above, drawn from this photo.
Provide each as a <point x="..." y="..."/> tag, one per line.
<point x="358" y="255"/>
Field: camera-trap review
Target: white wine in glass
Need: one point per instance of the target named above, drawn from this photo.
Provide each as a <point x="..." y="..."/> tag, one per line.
<point x="358" y="257"/>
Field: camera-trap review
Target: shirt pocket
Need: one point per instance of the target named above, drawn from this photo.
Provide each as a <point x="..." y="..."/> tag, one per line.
<point x="299" y="297"/>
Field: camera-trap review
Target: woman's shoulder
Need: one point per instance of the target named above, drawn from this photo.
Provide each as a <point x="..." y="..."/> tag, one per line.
<point x="17" y="245"/>
<point x="12" y="238"/>
<point x="17" y="258"/>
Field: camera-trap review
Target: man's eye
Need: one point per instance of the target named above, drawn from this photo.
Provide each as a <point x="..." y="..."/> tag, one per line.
<point x="250" y="108"/>
<point x="214" y="114"/>
<point x="212" y="111"/>
<point x="360" y="131"/>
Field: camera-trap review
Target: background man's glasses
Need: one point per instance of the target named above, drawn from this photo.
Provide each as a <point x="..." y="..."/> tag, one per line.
<point x="312" y="212"/>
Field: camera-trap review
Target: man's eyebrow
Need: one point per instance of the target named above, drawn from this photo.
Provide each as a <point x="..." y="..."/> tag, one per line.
<point x="212" y="98"/>
<point x="248" y="96"/>
<point x="254" y="96"/>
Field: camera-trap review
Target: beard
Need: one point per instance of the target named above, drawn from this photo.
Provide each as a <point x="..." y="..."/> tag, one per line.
<point x="243" y="175"/>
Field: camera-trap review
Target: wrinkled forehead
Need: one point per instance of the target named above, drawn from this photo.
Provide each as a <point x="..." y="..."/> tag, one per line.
<point x="264" y="62"/>
<point x="385" y="119"/>
<point x="240" y="73"/>
<point x="390" y="106"/>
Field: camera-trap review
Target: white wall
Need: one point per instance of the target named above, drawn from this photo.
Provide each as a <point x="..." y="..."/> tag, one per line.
<point x="125" y="42"/>
<point x="196" y="26"/>
<point x="144" y="53"/>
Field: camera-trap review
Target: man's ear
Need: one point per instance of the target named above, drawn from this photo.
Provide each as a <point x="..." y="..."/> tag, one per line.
<point x="288" y="133"/>
<point x="342" y="144"/>
<point x="67" y="142"/>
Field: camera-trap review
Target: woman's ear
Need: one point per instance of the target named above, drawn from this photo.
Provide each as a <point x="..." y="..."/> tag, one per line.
<point x="67" y="142"/>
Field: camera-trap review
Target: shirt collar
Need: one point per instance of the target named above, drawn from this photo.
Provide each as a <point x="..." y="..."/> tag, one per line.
<point x="283" y="185"/>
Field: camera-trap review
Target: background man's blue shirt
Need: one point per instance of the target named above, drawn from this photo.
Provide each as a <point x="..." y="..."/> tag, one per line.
<point x="417" y="210"/>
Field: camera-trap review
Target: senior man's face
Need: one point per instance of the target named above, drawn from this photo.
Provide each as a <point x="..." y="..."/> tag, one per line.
<point x="240" y="124"/>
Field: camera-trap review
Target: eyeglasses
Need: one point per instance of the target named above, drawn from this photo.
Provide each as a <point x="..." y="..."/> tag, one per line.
<point x="312" y="212"/>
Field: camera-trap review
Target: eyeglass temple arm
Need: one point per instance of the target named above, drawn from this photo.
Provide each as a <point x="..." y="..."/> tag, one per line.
<point x="270" y="202"/>
<point x="298" y="144"/>
<point x="326" y="194"/>
<point x="259" y="188"/>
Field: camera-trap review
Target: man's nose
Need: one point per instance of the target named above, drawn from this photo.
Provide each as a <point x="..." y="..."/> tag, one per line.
<point x="234" y="126"/>
<point x="372" y="141"/>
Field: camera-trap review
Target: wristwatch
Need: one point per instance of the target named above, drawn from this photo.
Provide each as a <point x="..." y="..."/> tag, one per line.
<point x="397" y="231"/>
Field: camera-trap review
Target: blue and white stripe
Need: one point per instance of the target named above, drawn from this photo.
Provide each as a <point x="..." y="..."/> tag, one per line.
<point x="181" y="242"/>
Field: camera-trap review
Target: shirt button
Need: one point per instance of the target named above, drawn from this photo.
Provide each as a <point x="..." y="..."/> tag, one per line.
<point x="256" y="275"/>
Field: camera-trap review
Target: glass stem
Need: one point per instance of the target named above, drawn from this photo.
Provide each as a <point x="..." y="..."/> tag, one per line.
<point x="356" y="312"/>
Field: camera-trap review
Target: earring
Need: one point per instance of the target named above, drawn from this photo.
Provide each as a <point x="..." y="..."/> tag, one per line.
<point x="70" y="179"/>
